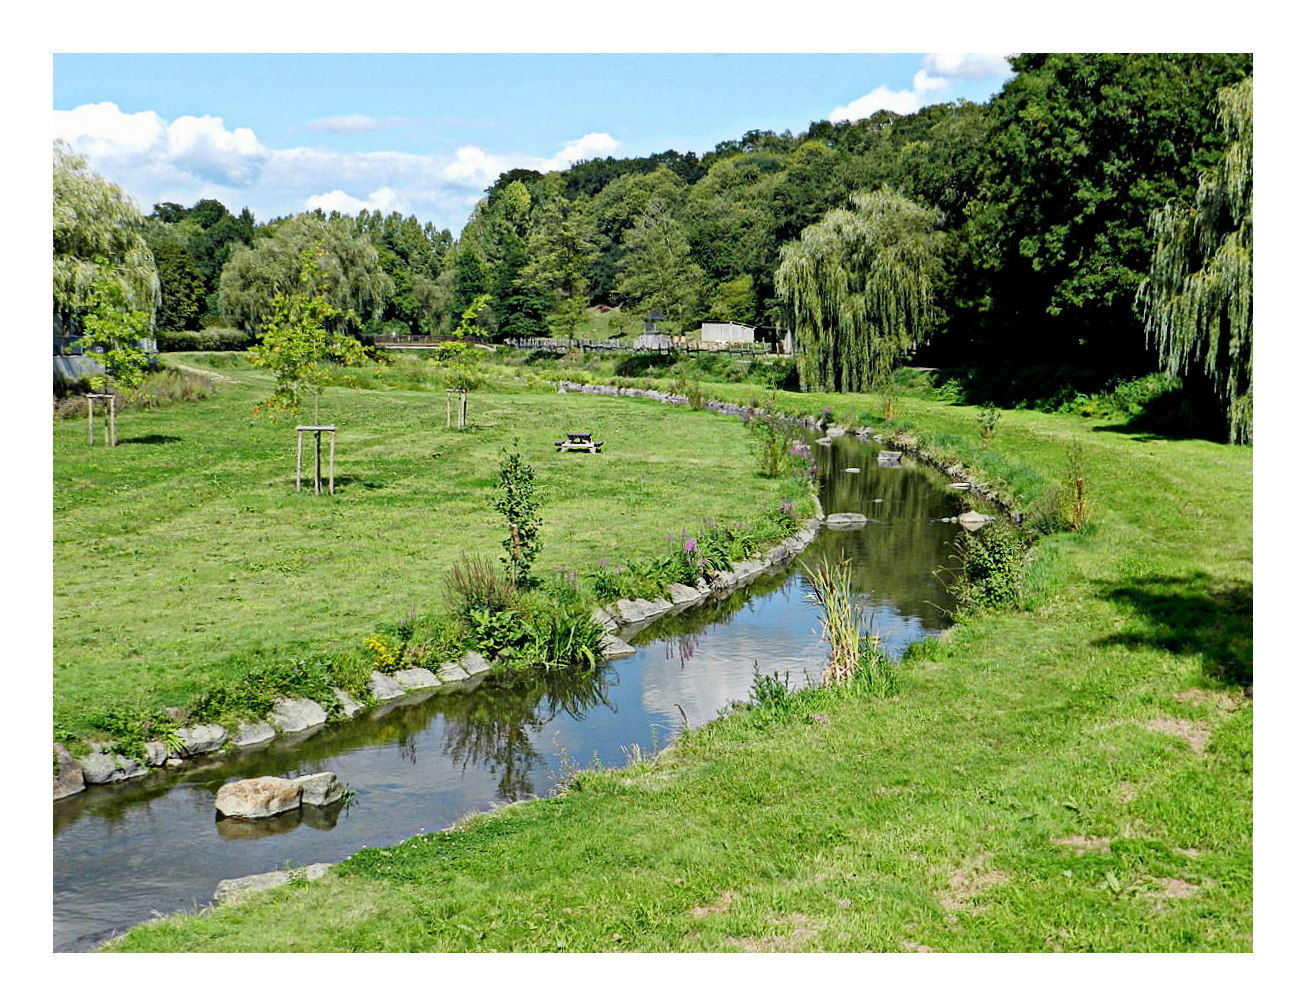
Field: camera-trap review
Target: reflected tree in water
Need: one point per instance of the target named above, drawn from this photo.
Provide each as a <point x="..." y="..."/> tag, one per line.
<point x="495" y="726"/>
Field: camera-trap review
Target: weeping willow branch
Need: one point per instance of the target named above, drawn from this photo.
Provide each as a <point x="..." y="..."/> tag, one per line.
<point x="1197" y="298"/>
<point x="859" y="288"/>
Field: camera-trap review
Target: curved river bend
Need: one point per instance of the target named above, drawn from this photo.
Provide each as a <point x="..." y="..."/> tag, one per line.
<point x="124" y="853"/>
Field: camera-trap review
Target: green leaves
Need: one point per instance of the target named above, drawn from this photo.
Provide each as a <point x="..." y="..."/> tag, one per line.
<point x="297" y="341"/>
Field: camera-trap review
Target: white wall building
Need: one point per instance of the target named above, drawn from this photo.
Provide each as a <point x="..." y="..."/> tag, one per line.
<point x="726" y="331"/>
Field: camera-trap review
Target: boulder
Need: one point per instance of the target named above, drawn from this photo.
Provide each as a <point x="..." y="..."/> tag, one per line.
<point x="451" y="671"/>
<point x="293" y="715"/>
<point x="415" y="678"/>
<point x="615" y="646"/>
<point x="248" y="734"/>
<point x="889" y="459"/>
<point x="348" y="704"/>
<point x="835" y="431"/>
<point x="239" y="886"/>
<point x="824" y="441"/>
<point x="201" y="739"/>
<point x="473" y="663"/>
<point x="971" y="520"/>
<point x="99" y="768"/>
<point x="845" y="519"/>
<point x="683" y="594"/>
<point x="383" y="687"/>
<point x="320" y="789"/>
<point x="264" y="796"/>
<point x="156" y="753"/>
<point x="68" y="778"/>
<point x="641" y="610"/>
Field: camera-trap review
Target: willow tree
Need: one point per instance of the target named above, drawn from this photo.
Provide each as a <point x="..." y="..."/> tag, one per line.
<point x="1197" y="298"/>
<point x="99" y="242"/>
<point x="859" y="290"/>
<point x="347" y="273"/>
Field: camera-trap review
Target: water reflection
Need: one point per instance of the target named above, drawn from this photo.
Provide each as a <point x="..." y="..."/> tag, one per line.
<point x="494" y="726"/>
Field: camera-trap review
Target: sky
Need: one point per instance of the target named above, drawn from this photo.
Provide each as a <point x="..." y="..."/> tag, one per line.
<point x="426" y="134"/>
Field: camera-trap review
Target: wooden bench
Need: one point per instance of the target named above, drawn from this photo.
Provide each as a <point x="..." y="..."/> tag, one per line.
<point x="579" y="442"/>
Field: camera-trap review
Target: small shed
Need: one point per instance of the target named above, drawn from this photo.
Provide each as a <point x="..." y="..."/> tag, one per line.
<point x="727" y="331"/>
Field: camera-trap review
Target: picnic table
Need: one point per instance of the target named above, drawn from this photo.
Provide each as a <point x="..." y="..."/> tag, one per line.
<point x="579" y="442"/>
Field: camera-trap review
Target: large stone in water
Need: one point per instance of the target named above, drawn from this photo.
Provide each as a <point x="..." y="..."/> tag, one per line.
<point x="99" y="768"/>
<point x="845" y="519"/>
<point x="68" y="778"/>
<point x="294" y="715"/>
<point x="264" y="796"/>
<point x="201" y="739"/>
<point x="615" y="646"/>
<point x="248" y="734"/>
<point x="414" y="678"/>
<point x="683" y="594"/>
<point x="320" y="789"/>
<point x="383" y="687"/>
<point x="473" y="663"/>
<point x="348" y="704"/>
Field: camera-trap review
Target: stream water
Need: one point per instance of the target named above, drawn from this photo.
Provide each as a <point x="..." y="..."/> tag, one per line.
<point x="126" y="852"/>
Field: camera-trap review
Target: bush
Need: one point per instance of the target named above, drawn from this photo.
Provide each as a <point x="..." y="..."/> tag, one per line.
<point x="209" y="340"/>
<point x="991" y="565"/>
<point x="477" y="584"/>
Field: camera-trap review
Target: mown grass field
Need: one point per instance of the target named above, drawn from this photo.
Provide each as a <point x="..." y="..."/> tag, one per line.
<point x="1071" y="776"/>
<point x="184" y="555"/>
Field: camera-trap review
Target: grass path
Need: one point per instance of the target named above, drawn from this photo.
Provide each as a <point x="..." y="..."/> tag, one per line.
<point x="1075" y="776"/>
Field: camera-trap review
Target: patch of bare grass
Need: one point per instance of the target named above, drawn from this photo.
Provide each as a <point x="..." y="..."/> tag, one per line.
<point x="1195" y="734"/>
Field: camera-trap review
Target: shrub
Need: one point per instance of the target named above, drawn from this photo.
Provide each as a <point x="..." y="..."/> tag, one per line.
<point x="991" y="563"/>
<point x="208" y="340"/>
<point x="476" y="584"/>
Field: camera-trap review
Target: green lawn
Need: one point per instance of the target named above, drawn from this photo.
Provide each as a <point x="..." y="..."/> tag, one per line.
<point x="184" y="555"/>
<point x="1072" y="776"/>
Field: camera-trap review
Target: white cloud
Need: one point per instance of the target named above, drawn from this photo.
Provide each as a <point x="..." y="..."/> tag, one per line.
<point x="932" y="83"/>
<point x="968" y="65"/>
<point x="475" y="167"/>
<point x="198" y="157"/>
<point x="354" y="124"/>
<point x="386" y="199"/>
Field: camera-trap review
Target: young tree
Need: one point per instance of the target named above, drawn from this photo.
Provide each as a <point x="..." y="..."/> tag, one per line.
<point x="469" y="324"/>
<point x="299" y="336"/>
<point x="114" y="332"/>
<point x="859" y="289"/>
<point x="518" y="501"/>
<point x="1197" y="297"/>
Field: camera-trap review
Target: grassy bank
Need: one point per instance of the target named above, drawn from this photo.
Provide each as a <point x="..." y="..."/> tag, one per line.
<point x="1072" y="775"/>
<point x="183" y="558"/>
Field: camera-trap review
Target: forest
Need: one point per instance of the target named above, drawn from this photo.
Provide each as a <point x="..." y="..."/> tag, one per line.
<point x="1087" y="229"/>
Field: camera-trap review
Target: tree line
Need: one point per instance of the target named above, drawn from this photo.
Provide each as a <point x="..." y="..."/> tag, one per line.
<point x="1088" y="224"/>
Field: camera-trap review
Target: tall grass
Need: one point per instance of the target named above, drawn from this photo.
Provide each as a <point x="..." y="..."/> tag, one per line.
<point x="841" y="620"/>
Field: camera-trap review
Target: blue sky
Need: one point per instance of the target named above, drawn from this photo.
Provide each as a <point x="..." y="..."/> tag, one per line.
<point x="426" y="134"/>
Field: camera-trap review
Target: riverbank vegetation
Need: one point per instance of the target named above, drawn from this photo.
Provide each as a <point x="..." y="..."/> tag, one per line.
<point x="1070" y="773"/>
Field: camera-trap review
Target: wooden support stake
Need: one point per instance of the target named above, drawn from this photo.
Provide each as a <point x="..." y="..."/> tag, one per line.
<point x="113" y="425"/>
<point x="462" y="410"/>
<point x="333" y="462"/>
<point x="317" y="462"/>
<point x="299" y="460"/>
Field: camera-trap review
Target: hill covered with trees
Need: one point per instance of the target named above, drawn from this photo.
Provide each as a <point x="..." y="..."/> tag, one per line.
<point x="1089" y="225"/>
